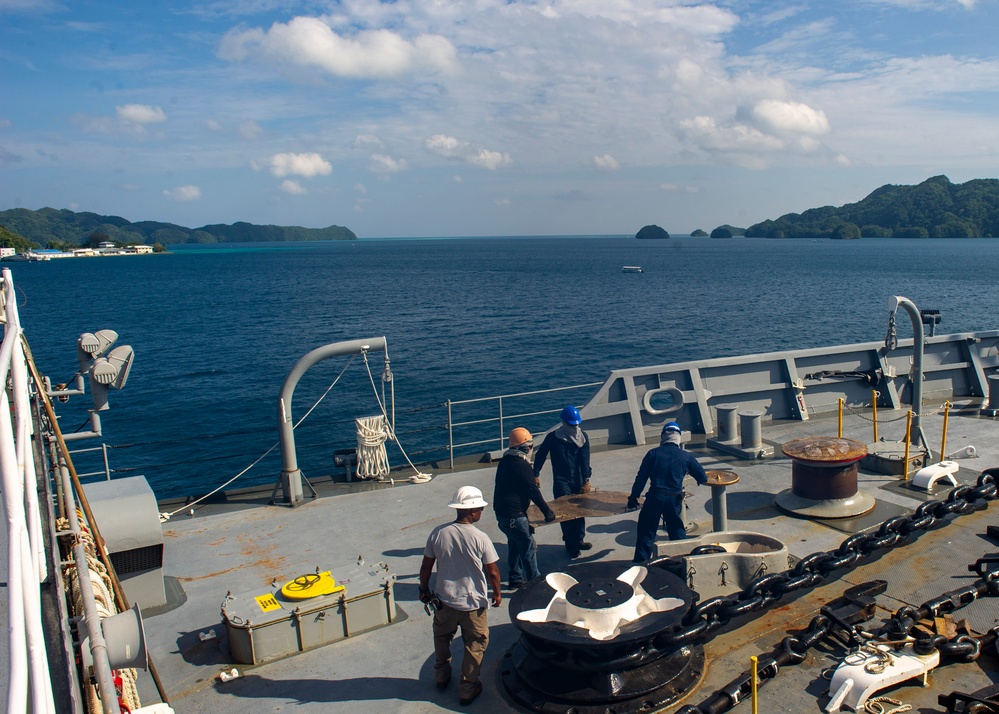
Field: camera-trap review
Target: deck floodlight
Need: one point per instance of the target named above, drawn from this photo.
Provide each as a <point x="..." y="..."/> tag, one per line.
<point x="110" y="371"/>
<point x="91" y="345"/>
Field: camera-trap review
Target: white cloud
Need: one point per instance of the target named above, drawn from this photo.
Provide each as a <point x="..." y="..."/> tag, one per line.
<point x="361" y="189"/>
<point x="249" y="129"/>
<point x="382" y="164"/>
<point x="307" y="165"/>
<point x="789" y="117"/>
<point x="140" y="114"/>
<point x="183" y="193"/>
<point x="607" y="162"/>
<point x="362" y="140"/>
<point x="292" y="187"/>
<point x="452" y="148"/>
<point x="311" y="42"/>
<point x="679" y="188"/>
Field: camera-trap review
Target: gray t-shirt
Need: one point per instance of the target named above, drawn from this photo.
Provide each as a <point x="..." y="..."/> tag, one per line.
<point x="461" y="550"/>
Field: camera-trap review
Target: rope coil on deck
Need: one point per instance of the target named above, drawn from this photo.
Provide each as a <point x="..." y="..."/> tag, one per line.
<point x="100" y="581"/>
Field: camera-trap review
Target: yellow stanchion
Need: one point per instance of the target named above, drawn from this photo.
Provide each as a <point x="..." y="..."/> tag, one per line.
<point x="874" y="413"/>
<point x="908" y="426"/>
<point x="943" y="441"/>
<point x="840" y="434"/>
<point x="755" y="662"/>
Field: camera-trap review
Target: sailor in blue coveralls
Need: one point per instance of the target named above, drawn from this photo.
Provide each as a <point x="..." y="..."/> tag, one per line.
<point x="569" y="447"/>
<point x="663" y="468"/>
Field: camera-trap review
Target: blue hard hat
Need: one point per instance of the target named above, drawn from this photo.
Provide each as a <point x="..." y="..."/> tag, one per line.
<point x="671" y="426"/>
<point x="570" y="415"/>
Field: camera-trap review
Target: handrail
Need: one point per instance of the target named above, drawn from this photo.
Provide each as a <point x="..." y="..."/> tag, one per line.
<point x="27" y="566"/>
<point x="502" y="418"/>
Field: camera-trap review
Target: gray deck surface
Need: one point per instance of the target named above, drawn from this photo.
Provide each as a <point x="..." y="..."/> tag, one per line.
<point x="243" y="549"/>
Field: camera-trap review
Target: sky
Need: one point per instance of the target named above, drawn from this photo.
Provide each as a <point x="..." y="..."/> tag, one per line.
<point x="420" y="118"/>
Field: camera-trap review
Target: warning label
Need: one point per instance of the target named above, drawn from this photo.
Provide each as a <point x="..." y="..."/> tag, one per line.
<point x="268" y="603"/>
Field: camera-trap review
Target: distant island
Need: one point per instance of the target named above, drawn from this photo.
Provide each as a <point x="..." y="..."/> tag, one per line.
<point x="652" y="232"/>
<point x="936" y="208"/>
<point x="24" y="229"/>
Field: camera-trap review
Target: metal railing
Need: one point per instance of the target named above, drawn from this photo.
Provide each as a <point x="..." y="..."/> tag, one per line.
<point x="501" y="418"/>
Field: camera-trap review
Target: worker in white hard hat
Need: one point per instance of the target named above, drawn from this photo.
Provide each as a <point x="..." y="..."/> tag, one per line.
<point x="466" y="561"/>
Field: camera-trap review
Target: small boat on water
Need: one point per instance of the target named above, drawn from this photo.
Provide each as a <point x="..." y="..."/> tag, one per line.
<point x="632" y="269"/>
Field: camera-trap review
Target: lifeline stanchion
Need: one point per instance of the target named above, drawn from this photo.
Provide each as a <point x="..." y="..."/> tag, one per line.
<point x="874" y="413"/>
<point x="943" y="440"/>
<point x="840" y="433"/>
<point x="908" y="426"/>
<point x="755" y="660"/>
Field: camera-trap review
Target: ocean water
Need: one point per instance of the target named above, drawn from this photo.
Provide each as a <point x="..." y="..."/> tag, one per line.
<point x="216" y="330"/>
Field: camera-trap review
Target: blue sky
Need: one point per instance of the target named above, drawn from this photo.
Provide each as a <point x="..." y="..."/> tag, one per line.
<point x="489" y="117"/>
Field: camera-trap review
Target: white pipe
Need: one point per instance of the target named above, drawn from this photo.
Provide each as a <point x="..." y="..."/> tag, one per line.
<point x="26" y="567"/>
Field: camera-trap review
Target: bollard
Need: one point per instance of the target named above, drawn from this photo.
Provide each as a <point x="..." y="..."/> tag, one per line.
<point x="718" y="480"/>
<point x="726" y="422"/>
<point x="993" y="407"/>
<point x="750" y="422"/>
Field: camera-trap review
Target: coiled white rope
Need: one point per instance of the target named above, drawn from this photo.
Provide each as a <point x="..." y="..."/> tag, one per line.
<point x="372" y="459"/>
<point x="100" y="581"/>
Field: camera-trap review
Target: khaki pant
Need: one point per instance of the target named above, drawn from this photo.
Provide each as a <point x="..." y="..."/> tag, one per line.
<point x="474" y="633"/>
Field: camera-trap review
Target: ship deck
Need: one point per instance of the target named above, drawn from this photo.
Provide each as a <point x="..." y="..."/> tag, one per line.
<point x="245" y="545"/>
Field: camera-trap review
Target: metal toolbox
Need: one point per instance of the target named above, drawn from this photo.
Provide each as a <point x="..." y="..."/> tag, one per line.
<point x="265" y="625"/>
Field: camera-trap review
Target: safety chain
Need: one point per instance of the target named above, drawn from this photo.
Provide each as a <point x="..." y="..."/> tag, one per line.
<point x="898" y="418"/>
<point x="716" y="612"/>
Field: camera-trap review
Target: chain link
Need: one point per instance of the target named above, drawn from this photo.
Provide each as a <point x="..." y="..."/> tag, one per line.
<point x="891" y="339"/>
<point x="811" y="570"/>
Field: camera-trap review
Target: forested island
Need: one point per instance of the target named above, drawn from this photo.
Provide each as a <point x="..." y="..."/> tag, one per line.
<point x="63" y="229"/>
<point x="936" y="208"/>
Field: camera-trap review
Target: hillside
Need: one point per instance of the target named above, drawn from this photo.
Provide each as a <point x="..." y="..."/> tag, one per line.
<point x="49" y="224"/>
<point x="936" y="208"/>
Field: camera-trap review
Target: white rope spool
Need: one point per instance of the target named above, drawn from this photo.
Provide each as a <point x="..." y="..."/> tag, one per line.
<point x="372" y="460"/>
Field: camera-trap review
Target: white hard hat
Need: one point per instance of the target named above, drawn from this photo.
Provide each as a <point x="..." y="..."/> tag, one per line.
<point x="467" y="497"/>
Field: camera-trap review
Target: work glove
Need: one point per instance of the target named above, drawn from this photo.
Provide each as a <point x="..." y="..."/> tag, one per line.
<point x="586" y="486"/>
<point x="632" y="503"/>
<point x="550" y="516"/>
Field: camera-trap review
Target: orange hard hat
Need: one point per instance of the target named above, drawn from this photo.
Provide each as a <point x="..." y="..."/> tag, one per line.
<point x="519" y="436"/>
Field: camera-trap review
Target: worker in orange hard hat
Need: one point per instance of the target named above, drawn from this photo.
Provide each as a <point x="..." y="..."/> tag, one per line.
<point x="515" y="490"/>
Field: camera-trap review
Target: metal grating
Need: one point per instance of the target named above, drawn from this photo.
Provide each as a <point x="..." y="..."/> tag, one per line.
<point x="132" y="561"/>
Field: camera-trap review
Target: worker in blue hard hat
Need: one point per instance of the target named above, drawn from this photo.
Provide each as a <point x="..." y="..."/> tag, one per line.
<point x="569" y="448"/>
<point x="663" y="468"/>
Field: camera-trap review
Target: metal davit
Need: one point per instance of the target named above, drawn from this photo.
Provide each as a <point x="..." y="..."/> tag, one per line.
<point x="291" y="476"/>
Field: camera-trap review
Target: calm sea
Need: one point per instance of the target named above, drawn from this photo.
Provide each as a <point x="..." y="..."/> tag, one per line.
<point x="216" y="330"/>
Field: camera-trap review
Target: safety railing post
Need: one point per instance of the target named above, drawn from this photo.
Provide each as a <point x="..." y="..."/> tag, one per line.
<point x="450" y="435"/>
<point x="502" y="431"/>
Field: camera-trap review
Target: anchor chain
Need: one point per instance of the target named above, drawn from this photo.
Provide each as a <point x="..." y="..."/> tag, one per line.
<point x="844" y="619"/>
<point x="715" y="613"/>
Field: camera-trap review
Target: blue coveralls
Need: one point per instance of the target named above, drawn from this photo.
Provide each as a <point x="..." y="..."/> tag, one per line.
<point x="570" y="470"/>
<point x="663" y="468"/>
